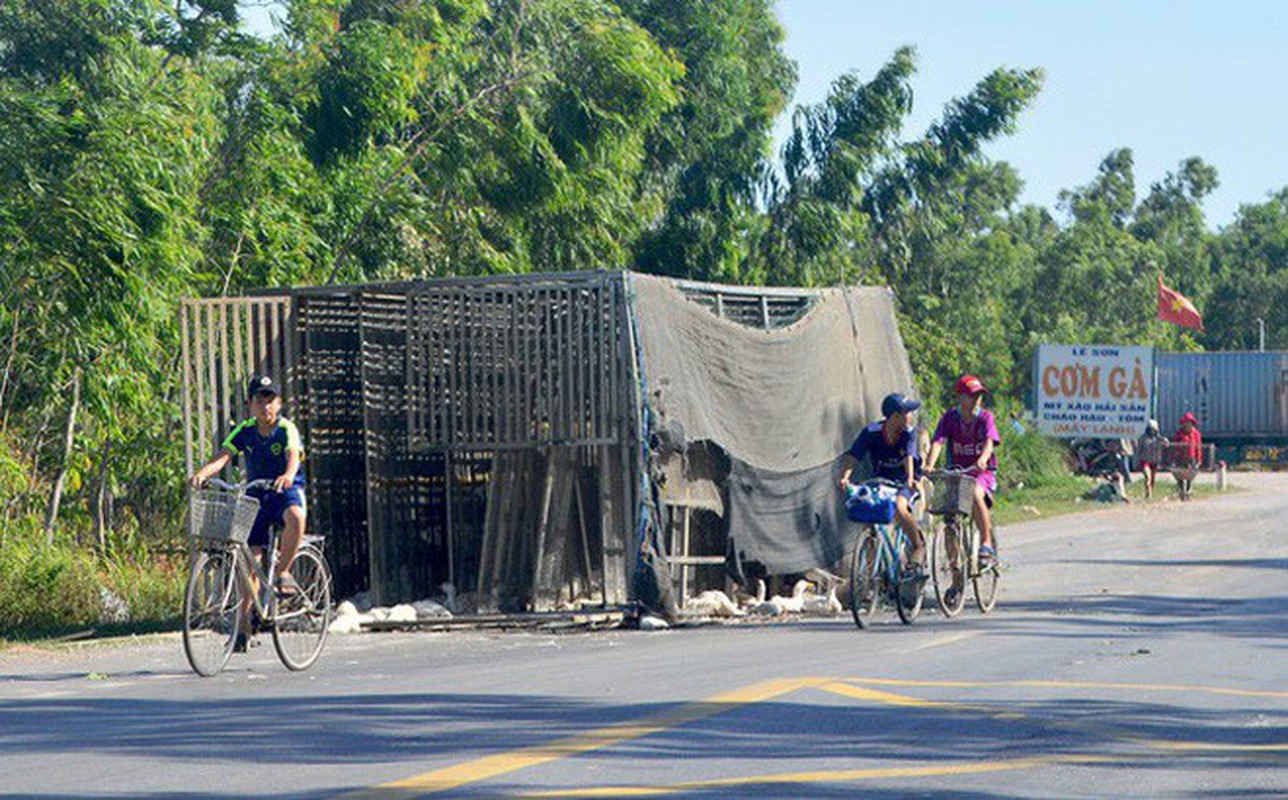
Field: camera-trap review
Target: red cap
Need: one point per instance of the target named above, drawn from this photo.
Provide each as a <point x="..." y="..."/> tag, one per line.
<point x="1188" y="417"/>
<point x="969" y="384"/>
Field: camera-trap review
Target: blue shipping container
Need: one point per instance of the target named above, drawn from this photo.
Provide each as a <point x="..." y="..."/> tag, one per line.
<point x="1235" y="395"/>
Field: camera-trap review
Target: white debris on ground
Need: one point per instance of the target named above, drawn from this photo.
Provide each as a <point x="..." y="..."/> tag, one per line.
<point x="115" y="609"/>
<point x="352" y="614"/>
<point x="649" y="622"/>
<point x="814" y="595"/>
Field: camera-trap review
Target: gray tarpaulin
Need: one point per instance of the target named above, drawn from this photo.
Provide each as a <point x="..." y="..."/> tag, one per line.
<point x="782" y="404"/>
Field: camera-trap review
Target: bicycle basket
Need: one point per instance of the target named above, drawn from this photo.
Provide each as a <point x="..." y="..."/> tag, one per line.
<point x="953" y="494"/>
<point x="221" y="516"/>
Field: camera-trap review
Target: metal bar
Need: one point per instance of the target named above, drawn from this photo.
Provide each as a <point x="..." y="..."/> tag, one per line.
<point x="415" y="428"/>
<point x="289" y="367"/>
<point x="562" y="362"/>
<point x="469" y="327"/>
<point x="577" y="314"/>
<point x="429" y="316"/>
<point x="618" y="326"/>
<point x="460" y="393"/>
<point x="238" y="355"/>
<point x="514" y="367"/>
<point x="448" y="480"/>
<point x="248" y="354"/>
<point x="526" y="374"/>
<point x="375" y="527"/>
<point x="547" y="493"/>
<point x="223" y="403"/>
<point x="684" y="570"/>
<point x="189" y="464"/>
<point x="274" y="342"/>
<point x="606" y="516"/>
<point x="211" y="389"/>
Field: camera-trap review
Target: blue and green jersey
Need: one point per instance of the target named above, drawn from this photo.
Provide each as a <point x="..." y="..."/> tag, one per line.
<point x="265" y="456"/>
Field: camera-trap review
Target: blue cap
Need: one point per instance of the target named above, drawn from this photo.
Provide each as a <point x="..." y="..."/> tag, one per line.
<point x="897" y="403"/>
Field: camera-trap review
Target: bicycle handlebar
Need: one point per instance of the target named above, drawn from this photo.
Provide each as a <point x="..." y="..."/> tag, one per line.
<point x="262" y="483"/>
<point x="932" y="473"/>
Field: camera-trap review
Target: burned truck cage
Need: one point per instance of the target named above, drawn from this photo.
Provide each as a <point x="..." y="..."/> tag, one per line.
<point x="499" y="433"/>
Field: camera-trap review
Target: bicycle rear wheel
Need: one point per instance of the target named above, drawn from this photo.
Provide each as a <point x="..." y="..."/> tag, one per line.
<point x="946" y="559"/>
<point x="908" y="597"/>
<point x="211" y="606"/>
<point x="300" y="622"/>
<point x="865" y="580"/>
<point x="985" y="583"/>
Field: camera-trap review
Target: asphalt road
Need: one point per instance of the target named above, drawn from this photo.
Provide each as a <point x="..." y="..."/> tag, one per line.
<point x="1135" y="651"/>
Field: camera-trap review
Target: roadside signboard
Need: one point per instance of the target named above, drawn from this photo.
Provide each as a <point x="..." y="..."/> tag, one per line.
<point x="1093" y="391"/>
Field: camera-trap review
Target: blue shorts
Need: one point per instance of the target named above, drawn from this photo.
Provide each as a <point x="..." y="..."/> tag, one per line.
<point x="272" y="511"/>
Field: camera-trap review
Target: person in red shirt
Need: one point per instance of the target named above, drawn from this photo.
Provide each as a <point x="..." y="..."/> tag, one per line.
<point x="1188" y="451"/>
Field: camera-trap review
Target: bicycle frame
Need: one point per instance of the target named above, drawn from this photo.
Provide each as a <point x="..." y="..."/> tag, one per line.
<point x="955" y="522"/>
<point x="890" y="542"/>
<point x="248" y="568"/>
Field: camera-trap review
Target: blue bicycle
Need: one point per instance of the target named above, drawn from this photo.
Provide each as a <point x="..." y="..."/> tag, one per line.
<point x="878" y="570"/>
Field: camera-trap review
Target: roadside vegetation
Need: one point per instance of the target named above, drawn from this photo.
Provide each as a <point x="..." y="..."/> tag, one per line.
<point x="151" y="151"/>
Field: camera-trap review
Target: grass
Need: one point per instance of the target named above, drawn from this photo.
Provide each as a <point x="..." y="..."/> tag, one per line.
<point x="66" y="593"/>
<point x="1065" y="496"/>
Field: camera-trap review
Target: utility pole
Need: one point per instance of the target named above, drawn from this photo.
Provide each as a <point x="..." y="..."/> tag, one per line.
<point x="1261" y="330"/>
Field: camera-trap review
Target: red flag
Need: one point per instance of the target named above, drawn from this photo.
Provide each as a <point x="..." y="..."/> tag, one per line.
<point x="1176" y="307"/>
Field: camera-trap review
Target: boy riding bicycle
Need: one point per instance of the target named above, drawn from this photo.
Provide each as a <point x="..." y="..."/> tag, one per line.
<point x="971" y="433"/>
<point x="891" y="447"/>
<point x="272" y="450"/>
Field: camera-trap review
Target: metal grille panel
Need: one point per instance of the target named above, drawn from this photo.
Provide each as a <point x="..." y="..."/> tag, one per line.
<point x="515" y="364"/>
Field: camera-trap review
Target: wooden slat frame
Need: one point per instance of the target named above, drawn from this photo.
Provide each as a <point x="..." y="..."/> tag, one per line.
<point x="223" y="341"/>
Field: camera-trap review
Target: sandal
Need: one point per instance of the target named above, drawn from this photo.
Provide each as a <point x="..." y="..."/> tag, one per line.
<point x="286" y="585"/>
<point x="987" y="555"/>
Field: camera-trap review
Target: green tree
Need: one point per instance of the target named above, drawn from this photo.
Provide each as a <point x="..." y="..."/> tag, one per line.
<point x="705" y="155"/>
<point x="1250" y="259"/>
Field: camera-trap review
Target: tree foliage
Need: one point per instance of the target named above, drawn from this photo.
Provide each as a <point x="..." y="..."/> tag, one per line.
<point x="154" y="150"/>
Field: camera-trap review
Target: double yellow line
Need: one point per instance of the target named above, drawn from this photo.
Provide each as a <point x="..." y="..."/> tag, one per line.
<point x="481" y="769"/>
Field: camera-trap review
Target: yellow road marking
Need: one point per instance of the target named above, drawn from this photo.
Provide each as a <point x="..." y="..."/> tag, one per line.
<point x="825" y="776"/>
<point x="1096" y="728"/>
<point x="491" y="766"/>
<point x="522" y="758"/>
<point x="1128" y="687"/>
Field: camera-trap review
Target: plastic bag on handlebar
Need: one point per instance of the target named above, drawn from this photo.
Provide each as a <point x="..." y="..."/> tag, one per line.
<point x="871" y="504"/>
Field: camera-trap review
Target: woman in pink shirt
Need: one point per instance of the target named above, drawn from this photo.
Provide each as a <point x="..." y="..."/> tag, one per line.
<point x="971" y="434"/>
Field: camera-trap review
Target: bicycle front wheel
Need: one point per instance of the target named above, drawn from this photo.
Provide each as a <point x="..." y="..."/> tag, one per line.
<point x="211" y="611"/>
<point x="300" y="622"/>
<point x="865" y="580"/>
<point x="985" y="582"/>
<point x="946" y="560"/>
<point x="908" y="598"/>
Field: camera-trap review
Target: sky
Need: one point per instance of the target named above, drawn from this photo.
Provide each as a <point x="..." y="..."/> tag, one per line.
<point x="1168" y="79"/>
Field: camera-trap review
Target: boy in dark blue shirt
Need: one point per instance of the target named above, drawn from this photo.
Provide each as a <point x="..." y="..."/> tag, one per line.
<point x="891" y="447"/>
<point x="271" y="449"/>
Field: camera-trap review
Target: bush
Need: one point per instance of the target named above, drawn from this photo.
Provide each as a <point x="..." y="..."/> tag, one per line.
<point x="1031" y="460"/>
<point x="46" y="588"/>
<point x="151" y="586"/>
